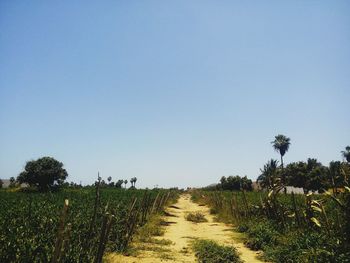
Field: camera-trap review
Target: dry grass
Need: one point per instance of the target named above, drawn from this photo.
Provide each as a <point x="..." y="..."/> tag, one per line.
<point x="196" y="217"/>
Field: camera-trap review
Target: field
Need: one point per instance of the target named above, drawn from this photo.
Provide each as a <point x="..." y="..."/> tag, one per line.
<point x="288" y="228"/>
<point x="73" y="225"/>
<point x="95" y="224"/>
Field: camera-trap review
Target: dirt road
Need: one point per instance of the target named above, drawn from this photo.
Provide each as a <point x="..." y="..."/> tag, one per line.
<point x="181" y="232"/>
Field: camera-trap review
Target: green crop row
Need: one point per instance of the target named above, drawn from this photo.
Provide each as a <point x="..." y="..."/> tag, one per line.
<point x="288" y="228"/>
<point x="73" y="225"/>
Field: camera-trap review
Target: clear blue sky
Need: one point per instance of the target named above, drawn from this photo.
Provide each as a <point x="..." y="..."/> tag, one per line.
<point x="176" y="93"/>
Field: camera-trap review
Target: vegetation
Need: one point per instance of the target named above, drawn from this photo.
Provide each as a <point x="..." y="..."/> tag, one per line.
<point x="133" y="182"/>
<point x="309" y="227"/>
<point x="281" y="145"/>
<point x="235" y="183"/>
<point x="74" y="225"/>
<point x="269" y="174"/>
<point x="287" y="225"/>
<point x="45" y="173"/>
<point x="346" y="153"/>
<point x="208" y="251"/>
<point x="196" y="217"/>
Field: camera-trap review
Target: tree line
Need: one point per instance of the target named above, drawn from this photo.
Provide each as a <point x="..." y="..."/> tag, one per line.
<point x="46" y="174"/>
<point x="310" y="175"/>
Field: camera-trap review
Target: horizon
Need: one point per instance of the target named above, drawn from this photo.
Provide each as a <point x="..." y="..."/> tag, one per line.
<point x="175" y="94"/>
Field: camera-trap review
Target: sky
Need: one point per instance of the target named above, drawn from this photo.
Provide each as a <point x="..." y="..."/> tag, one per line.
<point x="175" y="93"/>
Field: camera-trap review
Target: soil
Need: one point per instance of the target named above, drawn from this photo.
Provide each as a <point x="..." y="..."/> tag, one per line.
<point x="182" y="232"/>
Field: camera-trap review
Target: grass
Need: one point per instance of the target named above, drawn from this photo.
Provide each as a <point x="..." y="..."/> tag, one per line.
<point x="145" y="238"/>
<point x="196" y="217"/>
<point x="208" y="251"/>
<point x="150" y="229"/>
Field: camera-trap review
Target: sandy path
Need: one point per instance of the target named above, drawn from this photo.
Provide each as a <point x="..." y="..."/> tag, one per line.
<point x="181" y="232"/>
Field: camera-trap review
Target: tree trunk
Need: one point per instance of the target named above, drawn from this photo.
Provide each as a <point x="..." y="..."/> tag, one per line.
<point x="283" y="176"/>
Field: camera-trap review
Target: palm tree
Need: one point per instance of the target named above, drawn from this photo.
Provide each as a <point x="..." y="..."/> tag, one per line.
<point x="125" y="182"/>
<point x="133" y="182"/>
<point x="281" y="145"/>
<point x="269" y="174"/>
<point x="346" y="153"/>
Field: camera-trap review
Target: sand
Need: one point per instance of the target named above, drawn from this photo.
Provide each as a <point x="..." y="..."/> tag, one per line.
<point x="182" y="232"/>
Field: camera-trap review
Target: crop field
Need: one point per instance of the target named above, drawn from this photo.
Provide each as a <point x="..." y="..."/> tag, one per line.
<point x="73" y="225"/>
<point x="288" y="228"/>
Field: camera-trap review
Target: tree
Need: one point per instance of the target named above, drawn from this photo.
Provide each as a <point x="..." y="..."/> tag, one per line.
<point x="125" y="182"/>
<point x="1" y="183"/>
<point x="246" y="184"/>
<point x="346" y="153"/>
<point x="12" y="182"/>
<point x="133" y="182"/>
<point x="297" y="175"/>
<point x="310" y="175"/>
<point x="281" y="145"/>
<point x="335" y="175"/>
<point x="231" y="183"/>
<point x="44" y="173"/>
<point x="236" y="183"/>
<point x="110" y="183"/>
<point x="119" y="183"/>
<point x="317" y="176"/>
<point x="269" y="174"/>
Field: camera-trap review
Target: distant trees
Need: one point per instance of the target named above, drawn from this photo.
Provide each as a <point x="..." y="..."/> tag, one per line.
<point x="119" y="183"/>
<point x="311" y="175"/>
<point x="281" y="145"/>
<point x="233" y="183"/>
<point x="125" y="183"/>
<point x="44" y="173"/>
<point x="1" y="183"/>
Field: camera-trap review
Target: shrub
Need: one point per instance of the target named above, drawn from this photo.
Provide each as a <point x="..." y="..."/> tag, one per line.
<point x="196" y="217"/>
<point x="208" y="251"/>
<point x="260" y="235"/>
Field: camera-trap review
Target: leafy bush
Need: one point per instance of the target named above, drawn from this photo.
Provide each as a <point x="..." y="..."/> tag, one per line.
<point x="208" y="251"/>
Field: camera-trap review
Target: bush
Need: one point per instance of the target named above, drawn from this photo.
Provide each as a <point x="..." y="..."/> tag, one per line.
<point x="196" y="217"/>
<point x="307" y="247"/>
<point x="260" y="235"/>
<point x="208" y="251"/>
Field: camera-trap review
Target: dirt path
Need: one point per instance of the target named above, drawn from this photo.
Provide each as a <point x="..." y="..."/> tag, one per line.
<point x="181" y="232"/>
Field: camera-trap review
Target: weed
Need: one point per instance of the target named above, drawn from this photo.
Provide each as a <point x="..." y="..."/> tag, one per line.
<point x="196" y="217"/>
<point x="208" y="251"/>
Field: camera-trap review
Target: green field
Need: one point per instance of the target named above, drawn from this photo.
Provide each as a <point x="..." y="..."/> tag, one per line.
<point x="288" y="228"/>
<point x="38" y="227"/>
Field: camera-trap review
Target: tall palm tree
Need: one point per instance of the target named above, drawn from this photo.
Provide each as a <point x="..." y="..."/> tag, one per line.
<point x="281" y="145"/>
<point x="346" y="153"/>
